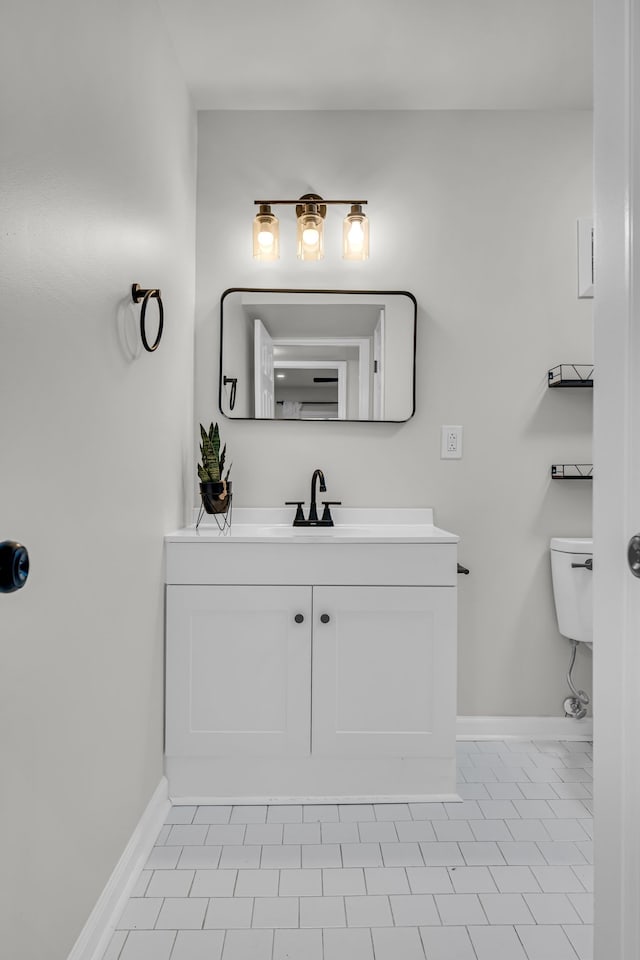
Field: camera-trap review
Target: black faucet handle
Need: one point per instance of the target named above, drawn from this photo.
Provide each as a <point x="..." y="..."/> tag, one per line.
<point x="326" y="513"/>
<point x="299" y="517"/>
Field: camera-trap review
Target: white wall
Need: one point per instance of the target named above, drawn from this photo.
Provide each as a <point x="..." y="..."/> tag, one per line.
<point x="98" y="180"/>
<point x="475" y="213"/>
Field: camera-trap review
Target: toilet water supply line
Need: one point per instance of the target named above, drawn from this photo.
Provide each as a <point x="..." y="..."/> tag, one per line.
<point x="575" y="706"/>
<point x="578" y="694"/>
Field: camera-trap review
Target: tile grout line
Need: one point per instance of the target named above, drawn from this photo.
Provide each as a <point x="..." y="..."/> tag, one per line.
<point x="173" y="945"/>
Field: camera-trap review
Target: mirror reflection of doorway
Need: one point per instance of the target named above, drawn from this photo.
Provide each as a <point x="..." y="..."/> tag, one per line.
<point x="263" y="376"/>
<point x="320" y="378"/>
<point x="310" y="389"/>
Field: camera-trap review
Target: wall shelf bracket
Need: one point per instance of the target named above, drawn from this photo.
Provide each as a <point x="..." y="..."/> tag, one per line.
<point x="571" y="375"/>
<point x="572" y="471"/>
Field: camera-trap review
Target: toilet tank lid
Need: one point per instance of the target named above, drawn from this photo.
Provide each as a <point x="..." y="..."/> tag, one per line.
<point x="572" y="544"/>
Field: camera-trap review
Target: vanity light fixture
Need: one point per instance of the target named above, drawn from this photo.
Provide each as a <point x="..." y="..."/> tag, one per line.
<point x="311" y="210"/>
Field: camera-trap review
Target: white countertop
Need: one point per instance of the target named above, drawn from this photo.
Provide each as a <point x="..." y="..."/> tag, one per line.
<point x="352" y="525"/>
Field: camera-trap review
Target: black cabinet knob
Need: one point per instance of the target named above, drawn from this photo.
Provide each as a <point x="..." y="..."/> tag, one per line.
<point x="324" y="618"/>
<point x="299" y="618"/>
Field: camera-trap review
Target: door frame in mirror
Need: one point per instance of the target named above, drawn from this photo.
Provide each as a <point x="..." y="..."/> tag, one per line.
<point x="319" y="290"/>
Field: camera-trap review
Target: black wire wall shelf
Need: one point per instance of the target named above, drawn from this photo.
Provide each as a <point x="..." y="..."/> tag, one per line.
<point x="571" y="375"/>
<point x="572" y="471"/>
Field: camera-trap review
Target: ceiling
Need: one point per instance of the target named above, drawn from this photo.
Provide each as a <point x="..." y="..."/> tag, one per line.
<point x="384" y="54"/>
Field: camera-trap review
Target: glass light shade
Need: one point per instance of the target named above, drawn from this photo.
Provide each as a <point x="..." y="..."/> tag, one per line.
<point x="266" y="235"/>
<point x="310" y="234"/>
<point x="355" y="234"/>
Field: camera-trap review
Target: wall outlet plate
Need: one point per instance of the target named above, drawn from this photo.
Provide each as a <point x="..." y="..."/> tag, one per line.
<point x="451" y="442"/>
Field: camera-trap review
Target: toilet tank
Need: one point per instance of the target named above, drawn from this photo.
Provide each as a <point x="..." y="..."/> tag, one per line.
<point x="573" y="587"/>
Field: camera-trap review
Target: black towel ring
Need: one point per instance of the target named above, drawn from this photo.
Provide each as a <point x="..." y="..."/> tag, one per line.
<point x="145" y="295"/>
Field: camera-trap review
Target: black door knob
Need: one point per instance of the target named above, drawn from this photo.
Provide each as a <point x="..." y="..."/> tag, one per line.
<point x="299" y="618"/>
<point x="325" y="618"/>
<point x="633" y="555"/>
<point x="14" y="566"/>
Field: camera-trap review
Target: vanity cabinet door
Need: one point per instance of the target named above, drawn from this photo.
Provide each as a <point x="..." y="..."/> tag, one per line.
<point x="238" y="671"/>
<point x="384" y="671"/>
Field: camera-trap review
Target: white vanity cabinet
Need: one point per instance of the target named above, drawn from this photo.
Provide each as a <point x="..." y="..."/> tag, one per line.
<point x="238" y="671"/>
<point x="381" y="681"/>
<point x="302" y="670"/>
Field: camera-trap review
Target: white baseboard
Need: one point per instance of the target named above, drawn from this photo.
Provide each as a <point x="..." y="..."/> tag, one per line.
<point x="523" y="728"/>
<point x="97" y="931"/>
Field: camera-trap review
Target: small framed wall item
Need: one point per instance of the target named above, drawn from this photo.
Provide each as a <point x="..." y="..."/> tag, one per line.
<point x="585" y="258"/>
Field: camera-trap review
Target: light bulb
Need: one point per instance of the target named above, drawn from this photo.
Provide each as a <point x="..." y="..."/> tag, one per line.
<point x="266" y="244"/>
<point x="310" y="237"/>
<point x="310" y="233"/>
<point x="355" y="234"/>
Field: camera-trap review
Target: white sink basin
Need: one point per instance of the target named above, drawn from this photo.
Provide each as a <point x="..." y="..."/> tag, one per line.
<point x="341" y="530"/>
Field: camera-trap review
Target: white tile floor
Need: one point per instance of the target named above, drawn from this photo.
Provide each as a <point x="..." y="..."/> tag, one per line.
<point x="505" y="875"/>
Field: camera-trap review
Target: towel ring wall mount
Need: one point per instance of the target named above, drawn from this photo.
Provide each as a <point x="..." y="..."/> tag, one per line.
<point x="137" y="294"/>
<point x="234" y="385"/>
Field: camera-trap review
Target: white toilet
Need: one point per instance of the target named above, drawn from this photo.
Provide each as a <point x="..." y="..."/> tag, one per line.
<point x="572" y="586"/>
<point x="572" y="575"/>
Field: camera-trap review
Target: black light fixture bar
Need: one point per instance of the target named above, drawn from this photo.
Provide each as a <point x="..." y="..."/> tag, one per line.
<point x="320" y="201"/>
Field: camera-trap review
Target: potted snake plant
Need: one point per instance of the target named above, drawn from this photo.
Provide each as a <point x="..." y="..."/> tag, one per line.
<point x="215" y="486"/>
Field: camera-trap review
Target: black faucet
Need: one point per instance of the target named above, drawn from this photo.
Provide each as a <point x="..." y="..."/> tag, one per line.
<point x="313" y="509"/>
<point x="326" y="519"/>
